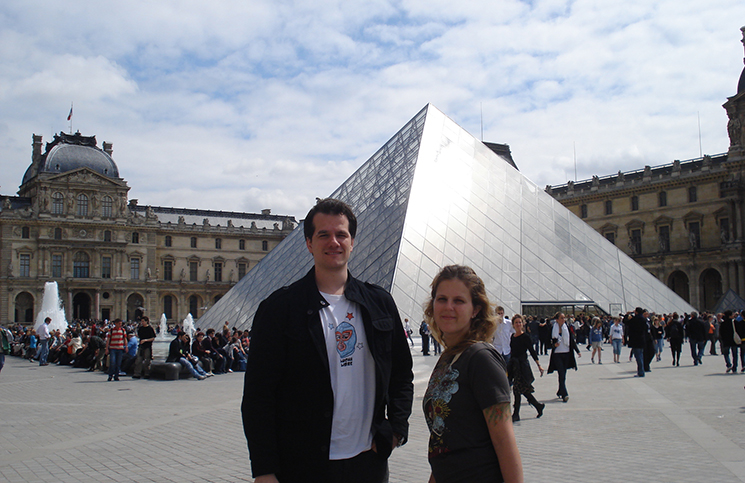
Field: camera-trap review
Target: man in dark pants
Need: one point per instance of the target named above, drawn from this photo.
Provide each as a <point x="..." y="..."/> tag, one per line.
<point x="146" y="334"/>
<point x="328" y="385"/>
<point x="424" y="333"/>
<point x="636" y="338"/>
<point x="697" y="335"/>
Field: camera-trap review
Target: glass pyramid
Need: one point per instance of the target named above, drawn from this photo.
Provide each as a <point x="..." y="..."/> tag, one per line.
<point x="434" y="195"/>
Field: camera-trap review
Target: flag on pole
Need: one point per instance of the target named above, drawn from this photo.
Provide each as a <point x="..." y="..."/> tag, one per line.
<point x="69" y="116"/>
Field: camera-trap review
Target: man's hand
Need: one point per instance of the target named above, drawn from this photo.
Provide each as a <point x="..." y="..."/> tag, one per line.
<point x="266" y="479"/>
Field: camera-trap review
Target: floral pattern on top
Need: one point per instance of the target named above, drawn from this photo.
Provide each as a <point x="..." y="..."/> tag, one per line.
<point x="442" y="385"/>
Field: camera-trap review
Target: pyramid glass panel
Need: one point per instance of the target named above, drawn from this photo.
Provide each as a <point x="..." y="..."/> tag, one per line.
<point x="434" y="195"/>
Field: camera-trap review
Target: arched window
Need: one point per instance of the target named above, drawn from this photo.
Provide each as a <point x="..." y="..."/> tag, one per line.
<point x="107" y="235"/>
<point x="81" y="265"/>
<point x="168" y="306"/>
<point x="82" y="205"/>
<point x="58" y="203"/>
<point x="135" y="237"/>
<point x="218" y="243"/>
<point x="265" y="245"/>
<point x="194" y="305"/>
<point x="25" y="232"/>
<point x="58" y="233"/>
<point x="169" y="240"/>
<point x="107" y="205"/>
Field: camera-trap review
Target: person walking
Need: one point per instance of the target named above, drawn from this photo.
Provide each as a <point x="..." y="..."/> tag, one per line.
<point x="674" y="332"/>
<point x="730" y="341"/>
<point x="596" y="340"/>
<point x="520" y="375"/>
<point x="116" y="343"/>
<point x="616" y="338"/>
<point x="424" y="333"/>
<point x="146" y="335"/>
<point x="638" y="332"/>
<point x="562" y="354"/>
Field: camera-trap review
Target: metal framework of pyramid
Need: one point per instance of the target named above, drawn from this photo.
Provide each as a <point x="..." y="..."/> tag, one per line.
<point x="434" y="195"/>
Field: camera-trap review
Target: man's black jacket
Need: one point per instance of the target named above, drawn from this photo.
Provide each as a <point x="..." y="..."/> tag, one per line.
<point x="288" y="401"/>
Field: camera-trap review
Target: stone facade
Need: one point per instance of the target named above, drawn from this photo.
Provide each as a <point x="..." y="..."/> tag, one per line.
<point x="71" y="223"/>
<point x="682" y="221"/>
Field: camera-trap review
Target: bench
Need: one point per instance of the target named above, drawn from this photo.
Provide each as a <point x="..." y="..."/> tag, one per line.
<point x="170" y="371"/>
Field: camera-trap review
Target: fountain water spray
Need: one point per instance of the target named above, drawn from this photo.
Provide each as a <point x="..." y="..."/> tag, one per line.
<point x="189" y="326"/>
<point x="51" y="306"/>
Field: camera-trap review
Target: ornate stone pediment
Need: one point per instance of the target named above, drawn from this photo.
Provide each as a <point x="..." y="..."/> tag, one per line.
<point x="85" y="176"/>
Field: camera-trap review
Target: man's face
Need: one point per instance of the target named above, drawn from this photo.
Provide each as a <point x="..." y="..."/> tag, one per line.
<point x="332" y="243"/>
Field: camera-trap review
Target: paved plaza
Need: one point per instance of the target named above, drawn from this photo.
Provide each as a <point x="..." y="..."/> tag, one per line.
<point x="678" y="424"/>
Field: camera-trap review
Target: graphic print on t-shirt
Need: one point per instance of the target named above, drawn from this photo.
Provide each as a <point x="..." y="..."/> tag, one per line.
<point x="346" y="339"/>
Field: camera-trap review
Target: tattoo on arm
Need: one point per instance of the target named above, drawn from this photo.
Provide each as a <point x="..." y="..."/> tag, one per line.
<point x="497" y="413"/>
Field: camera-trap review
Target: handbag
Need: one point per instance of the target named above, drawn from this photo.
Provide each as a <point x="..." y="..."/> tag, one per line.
<point x="738" y="339"/>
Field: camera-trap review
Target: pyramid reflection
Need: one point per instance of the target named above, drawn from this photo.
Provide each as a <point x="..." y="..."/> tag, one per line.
<point x="434" y="195"/>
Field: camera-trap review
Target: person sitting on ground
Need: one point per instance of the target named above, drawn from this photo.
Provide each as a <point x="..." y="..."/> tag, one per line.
<point x="178" y="351"/>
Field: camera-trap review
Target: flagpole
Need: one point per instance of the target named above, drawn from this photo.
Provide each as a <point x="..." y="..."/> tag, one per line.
<point x="69" y="118"/>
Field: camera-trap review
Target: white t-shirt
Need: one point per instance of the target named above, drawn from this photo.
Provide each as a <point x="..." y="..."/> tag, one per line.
<point x="352" y="370"/>
<point x="503" y="336"/>
<point x="561" y="333"/>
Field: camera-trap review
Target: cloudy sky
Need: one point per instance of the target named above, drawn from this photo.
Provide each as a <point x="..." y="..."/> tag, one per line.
<point x="254" y="104"/>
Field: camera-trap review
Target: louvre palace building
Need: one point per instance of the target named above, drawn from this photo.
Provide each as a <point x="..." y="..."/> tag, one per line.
<point x="72" y="223"/>
<point x="682" y="221"/>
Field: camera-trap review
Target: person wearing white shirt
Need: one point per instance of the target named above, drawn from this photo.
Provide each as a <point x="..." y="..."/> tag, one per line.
<point x="562" y="357"/>
<point x="43" y="333"/>
<point x="503" y="334"/>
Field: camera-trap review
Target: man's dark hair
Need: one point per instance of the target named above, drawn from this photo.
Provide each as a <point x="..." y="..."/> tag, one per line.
<point x="639" y="310"/>
<point x="210" y="332"/>
<point x="329" y="206"/>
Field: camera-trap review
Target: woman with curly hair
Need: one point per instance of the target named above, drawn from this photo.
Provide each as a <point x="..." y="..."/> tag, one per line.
<point x="467" y="402"/>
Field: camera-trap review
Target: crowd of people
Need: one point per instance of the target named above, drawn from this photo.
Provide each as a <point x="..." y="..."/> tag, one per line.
<point x="119" y="348"/>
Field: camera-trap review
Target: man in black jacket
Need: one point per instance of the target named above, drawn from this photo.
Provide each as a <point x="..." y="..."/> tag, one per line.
<point x="328" y="386"/>
<point x="636" y="336"/>
<point x="698" y="332"/>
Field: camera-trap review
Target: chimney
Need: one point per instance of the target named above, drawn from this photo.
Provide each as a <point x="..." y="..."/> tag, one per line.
<point x="266" y="211"/>
<point x="108" y="148"/>
<point x="36" y="151"/>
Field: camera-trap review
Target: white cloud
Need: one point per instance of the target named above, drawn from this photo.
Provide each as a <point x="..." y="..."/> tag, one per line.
<point x="268" y="104"/>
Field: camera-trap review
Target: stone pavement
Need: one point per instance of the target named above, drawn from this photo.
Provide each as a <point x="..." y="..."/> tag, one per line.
<point x="682" y="424"/>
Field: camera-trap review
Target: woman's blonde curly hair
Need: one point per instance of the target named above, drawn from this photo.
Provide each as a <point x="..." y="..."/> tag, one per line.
<point x="483" y="324"/>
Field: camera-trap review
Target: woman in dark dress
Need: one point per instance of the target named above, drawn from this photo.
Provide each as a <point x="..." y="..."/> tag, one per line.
<point x="519" y="371"/>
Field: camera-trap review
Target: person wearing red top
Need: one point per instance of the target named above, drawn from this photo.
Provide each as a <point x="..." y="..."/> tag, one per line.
<point x="116" y="342"/>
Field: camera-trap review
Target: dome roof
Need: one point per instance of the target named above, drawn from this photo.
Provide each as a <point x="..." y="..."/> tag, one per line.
<point x="69" y="152"/>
